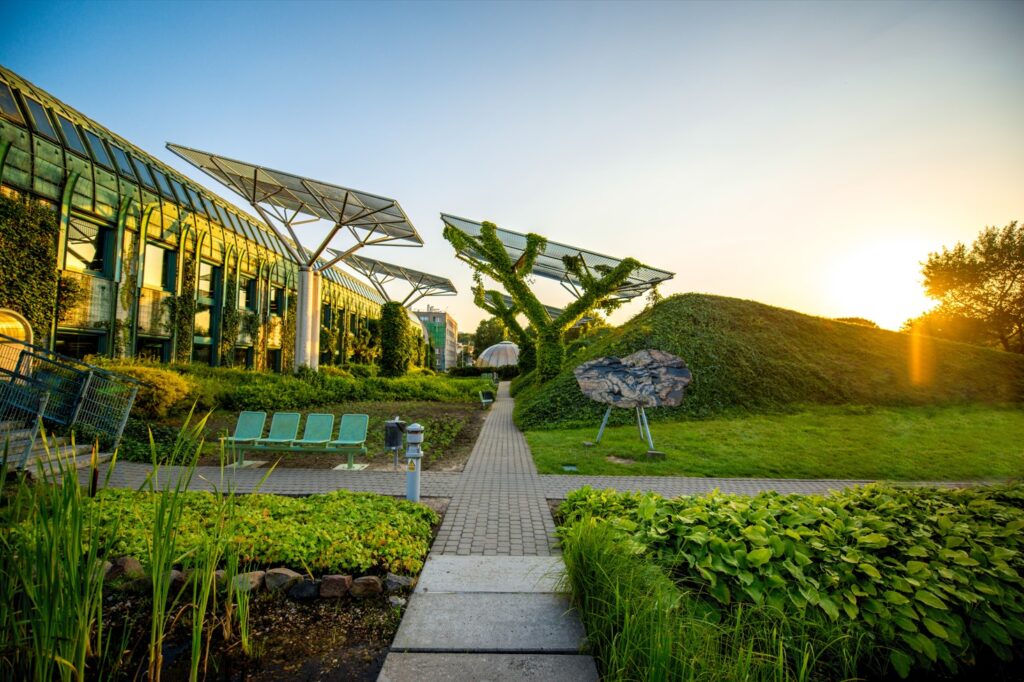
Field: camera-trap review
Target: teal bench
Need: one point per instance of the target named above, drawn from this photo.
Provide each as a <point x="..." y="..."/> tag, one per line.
<point x="486" y="398"/>
<point x="284" y="434"/>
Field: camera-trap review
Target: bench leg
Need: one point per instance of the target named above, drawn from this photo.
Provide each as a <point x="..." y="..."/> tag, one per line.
<point x="351" y="460"/>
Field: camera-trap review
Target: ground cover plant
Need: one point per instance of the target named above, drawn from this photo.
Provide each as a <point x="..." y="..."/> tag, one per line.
<point x="184" y="614"/>
<point x="753" y="357"/>
<point x="870" y="582"/>
<point x="859" y="443"/>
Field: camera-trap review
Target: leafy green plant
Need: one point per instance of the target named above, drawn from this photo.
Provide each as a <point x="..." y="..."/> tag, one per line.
<point x="396" y="348"/>
<point x="160" y="390"/>
<point x="28" y="238"/>
<point x="930" y="578"/>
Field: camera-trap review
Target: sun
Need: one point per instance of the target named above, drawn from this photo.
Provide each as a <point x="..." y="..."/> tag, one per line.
<point x="880" y="281"/>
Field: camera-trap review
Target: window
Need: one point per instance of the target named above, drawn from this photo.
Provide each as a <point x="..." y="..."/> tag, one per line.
<point x="210" y="210"/>
<point x="40" y="121"/>
<point x="165" y="187"/>
<point x="223" y="216"/>
<point x="203" y="320"/>
<point x="99" y="152"/>
<point x="123" y="164"/>
<point x="158" y="268"/>
<point x="207" y="280"/>
<point x="153" y="349"/>
<point x="8" y="107"/>
<point x="247" y="294"/>
<point x="243" y="357"/>
<point x="276" y="300"/>
<point x="87" y="246"/>
<point x="71" y="135"/>
<point x="179" y="190"/>
<point x="78" y="345"/>
<point x="196" y="201"/>
<point x="142" y="170"/>
<point x="202" y="353"/>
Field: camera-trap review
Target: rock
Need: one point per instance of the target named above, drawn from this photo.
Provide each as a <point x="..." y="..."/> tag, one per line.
<point x="304" y="590"/>
<point x="219" y="576"/>
<point x="334" y="586"/>
<point x="647" y="378"/>
<point x="281" y="579"/>
<point x="177" y="580"/>
<point x="366" y="586"/>
<point x="396" y="601"/>
<point x="248" y="582"/>
<point x="397" y="583"/>
<point x="103" y="568"/>
<point x="126" y="567"/>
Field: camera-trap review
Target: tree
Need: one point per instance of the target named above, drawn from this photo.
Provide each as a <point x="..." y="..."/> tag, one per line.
<point x="488" y="333"/>
<point x="983" y="283"/>
<point x="487" y="256"/>
<point x="943" y="324"/>
<point x="863" y="322"/>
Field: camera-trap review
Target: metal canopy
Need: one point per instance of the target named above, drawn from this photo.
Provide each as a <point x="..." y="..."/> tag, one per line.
<point x="294" y="200"/>
<point x="380" y="274"/>
<point x="551" y="310"/>
<point x="550" y="263"/>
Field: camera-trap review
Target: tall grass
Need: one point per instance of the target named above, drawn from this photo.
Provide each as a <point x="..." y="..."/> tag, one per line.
<point x="51" y="575"/>
<point x="642" y="626"/>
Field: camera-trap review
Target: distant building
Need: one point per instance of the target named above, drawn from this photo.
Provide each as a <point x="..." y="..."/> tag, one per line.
<point x="444" y="335"/>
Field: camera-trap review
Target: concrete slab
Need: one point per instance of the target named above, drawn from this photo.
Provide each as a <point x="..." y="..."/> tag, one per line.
<point x="484" y="622"/>
<point x="487" y="668"/>
<point x="446" y="573"/>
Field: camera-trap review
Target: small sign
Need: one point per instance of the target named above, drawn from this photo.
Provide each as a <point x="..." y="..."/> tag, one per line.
<point x="412" y="465"/>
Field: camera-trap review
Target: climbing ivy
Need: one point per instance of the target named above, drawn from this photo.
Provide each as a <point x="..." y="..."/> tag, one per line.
<point x="396" y="349"/>
<point x="182" y="310"/>
<point x="230" y="323"/>
<point x="28" y="255"/>
<point x="288" y="335"/>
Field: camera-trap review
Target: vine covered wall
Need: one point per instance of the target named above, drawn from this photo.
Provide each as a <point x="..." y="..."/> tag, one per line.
<point x="28" y="252"/>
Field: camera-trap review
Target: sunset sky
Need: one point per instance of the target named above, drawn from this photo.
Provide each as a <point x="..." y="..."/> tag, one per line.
<point x="807" y="155"/>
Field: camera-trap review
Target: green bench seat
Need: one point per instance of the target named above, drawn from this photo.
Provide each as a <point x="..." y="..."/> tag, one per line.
<point x="284" y="434"/>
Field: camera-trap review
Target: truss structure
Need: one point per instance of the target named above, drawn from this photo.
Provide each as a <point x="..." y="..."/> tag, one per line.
<point x="551" y="263"/>
<point x="380" y="274"/>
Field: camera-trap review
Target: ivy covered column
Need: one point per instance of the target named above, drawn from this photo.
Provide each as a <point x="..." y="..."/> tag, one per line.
<point x="395" y="351"/>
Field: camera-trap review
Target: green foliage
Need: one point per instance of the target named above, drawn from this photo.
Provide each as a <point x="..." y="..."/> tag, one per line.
<point x="28" y="251"/>
<point x="642" y="626"/>
<point x="181" y="318"/>
<point x="135" y="443"/>
<point x="488" y="332"/>
<point x="230" y="323"/>
<point x="487" y="256"/>
<point x="71" y="293"/>
<point x="396" y="347"/>
<point x="340" y="531"/>
<point x="161" y="389"/>
<point x="858" y="320"/>
<point x="749" y="356"/>
<point x="983" y="283"/>
<point x="943" y="323"/>
<point x="931" y="579"/>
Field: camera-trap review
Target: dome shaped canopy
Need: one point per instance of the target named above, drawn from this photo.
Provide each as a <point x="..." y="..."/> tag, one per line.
<point x="499" y="355"/>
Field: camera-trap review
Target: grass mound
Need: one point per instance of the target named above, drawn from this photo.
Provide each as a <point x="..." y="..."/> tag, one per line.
<point x="748" y="356"/>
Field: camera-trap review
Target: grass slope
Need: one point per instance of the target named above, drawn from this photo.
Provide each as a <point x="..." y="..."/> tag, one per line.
<point x="750" y="356"/>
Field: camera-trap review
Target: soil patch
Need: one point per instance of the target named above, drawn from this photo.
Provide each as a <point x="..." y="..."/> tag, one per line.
<point x="619" y="460"/>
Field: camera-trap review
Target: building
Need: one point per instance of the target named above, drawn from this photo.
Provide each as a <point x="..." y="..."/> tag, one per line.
<point x="444" y="337"/>
<point x="151" y="263"/>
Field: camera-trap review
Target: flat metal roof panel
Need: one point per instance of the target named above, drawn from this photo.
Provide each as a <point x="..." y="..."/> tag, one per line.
<point x="439" y="286"/>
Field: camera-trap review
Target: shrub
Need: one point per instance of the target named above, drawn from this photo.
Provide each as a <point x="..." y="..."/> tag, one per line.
<point x="332" y="371"/>
<point x="931" y="578"/>
<point x="160" y="390"/>
<point x="361" y="371"/>
<point x="395" y="342"/>
<point x="339" y="531"/>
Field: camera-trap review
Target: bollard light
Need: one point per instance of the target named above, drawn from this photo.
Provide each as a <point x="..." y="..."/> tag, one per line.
<point x="413" y="438"/>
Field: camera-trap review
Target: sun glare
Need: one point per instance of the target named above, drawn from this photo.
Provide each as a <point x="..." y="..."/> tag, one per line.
<point x="880" y="282"/>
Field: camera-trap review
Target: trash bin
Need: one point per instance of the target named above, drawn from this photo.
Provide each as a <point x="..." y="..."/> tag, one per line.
<point x="394" y="430"/>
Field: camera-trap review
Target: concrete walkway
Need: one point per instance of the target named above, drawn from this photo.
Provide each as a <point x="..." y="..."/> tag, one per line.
<point x="487" y="604"/>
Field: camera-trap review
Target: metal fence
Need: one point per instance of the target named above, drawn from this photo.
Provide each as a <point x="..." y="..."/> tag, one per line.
<point x="20" y="407"/>
<point x="91" y="400"/>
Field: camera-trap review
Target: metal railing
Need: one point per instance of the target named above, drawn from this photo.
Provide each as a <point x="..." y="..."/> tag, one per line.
<point x="20" y="407"/>
<point x="81" y="397"/>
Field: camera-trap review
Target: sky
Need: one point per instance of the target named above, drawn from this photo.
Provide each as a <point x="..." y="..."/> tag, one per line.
<point x="806" y="155"/>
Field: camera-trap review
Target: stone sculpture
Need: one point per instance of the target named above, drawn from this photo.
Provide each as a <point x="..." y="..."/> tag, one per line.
<point x="647" y="378"/>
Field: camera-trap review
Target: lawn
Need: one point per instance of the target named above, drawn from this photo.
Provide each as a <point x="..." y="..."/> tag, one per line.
<point x="912" y="443"/>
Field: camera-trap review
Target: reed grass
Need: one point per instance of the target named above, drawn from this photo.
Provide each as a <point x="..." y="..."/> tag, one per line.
<point x="643" y="626"/>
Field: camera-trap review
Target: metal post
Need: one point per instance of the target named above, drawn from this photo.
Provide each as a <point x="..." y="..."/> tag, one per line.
<point x="647" y="428"/>
<point x="639" y="424"/>
<point x="414" y="436"/>
<point x="302" y="317"/>
<point x="604" y="422"/>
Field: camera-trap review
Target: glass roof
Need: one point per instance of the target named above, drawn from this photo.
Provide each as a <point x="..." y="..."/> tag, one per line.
<point x="550" y="262"/>
<point x="296" y="194"/>
<point x="380" y="273"/>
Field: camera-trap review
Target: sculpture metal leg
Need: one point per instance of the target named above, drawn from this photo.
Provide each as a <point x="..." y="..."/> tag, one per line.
<point x="640" y="424"/>
<point x="647" y="427"/>
<point x="604" y="422"/>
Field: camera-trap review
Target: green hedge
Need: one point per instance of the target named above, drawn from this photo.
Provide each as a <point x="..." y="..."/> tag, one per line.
<point x="28" y="251"/>
<point x="931" y="579"/>
<point x="340" y="531"/>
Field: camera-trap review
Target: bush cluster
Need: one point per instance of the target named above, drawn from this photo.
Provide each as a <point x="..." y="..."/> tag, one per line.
<point x="339" y="531"/>
<point x="159" y="390"/>
<point x="928" y="579"/>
